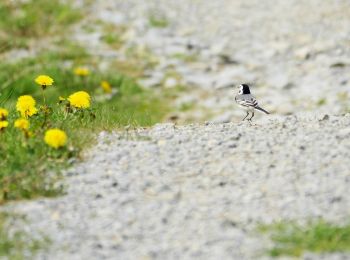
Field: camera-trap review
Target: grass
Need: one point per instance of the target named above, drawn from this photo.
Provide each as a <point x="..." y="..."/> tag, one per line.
<point x="343" y="98"/>
<point x="158" y="21"/>
<point x="29" y="166"/>
<point x="186" y="106"/>
<point x="186" y="57"/>
<point x="136" y="62"/>
<point x="25" y="22"/>
<point x="17" y="245"/>
<point x="113" y="40"/>
<point x="321" y="102"/>
<point x="112" y="35"/>
<point x="319" y="237"/>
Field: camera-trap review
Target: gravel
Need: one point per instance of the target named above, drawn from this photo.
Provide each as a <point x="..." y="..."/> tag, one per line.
<point x="295" y="54"/>
<point x="197" y="191"/>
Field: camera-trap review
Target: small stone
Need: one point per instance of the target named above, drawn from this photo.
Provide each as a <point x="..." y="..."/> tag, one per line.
<point x="303" y="53"/>
<point x="338" y="65"/>
<point x="98" y="196"/>
<point x="170" y="82"/>
<point x="325" y="117"/>
<point x="161" y="142"/>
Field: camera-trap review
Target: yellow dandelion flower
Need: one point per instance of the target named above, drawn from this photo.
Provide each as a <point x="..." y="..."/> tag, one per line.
<point x="3" y="124"/>
<point x="3" y="114"/>
<point x="22" y="124"/>
<point x="44" y="81"/>
<point x="55" y="138"/>
<point x="80" y="99"/>
<point x="106" y="86"/>
<point x="26" y="106"/>
<point x="81" y="71"/>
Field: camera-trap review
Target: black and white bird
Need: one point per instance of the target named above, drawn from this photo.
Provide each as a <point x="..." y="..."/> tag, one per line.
<point x="246" y="100"/>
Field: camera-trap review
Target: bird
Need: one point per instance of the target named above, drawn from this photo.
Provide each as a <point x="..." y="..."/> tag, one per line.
<point x="246" y="100"/>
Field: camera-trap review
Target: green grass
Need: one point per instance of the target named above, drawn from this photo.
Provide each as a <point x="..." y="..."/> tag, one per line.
<point x="23" y="22"/>
<point x="113" y="35"/>
<point x="343" y="98"/>
<point x="186" y="57"/>
<point x="186" y="106"/>
<point x="18" y="245"/>
<point x="29" y="168"/>
<point x="319" y="237"/>
<point x="113" y="40"/>
<point x="158" y="21"/>
<point x="321" y="102"/>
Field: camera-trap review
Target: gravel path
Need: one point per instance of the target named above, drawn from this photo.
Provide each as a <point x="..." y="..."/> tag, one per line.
<point x="197" y="191"/>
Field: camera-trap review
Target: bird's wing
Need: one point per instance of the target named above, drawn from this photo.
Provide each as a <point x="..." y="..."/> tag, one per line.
<point x="246" y="100"/>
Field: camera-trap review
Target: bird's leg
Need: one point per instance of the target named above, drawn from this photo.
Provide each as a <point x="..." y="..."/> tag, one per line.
<point x="246" y="116"/>
<point x="250" y="119"/>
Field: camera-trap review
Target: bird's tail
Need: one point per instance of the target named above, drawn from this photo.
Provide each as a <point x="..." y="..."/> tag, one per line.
<point x="262" y="110"/>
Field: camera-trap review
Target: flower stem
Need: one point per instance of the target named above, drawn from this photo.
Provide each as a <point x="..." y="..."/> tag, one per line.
<point x="45" y="106"/>
<point x="44" y="99"/>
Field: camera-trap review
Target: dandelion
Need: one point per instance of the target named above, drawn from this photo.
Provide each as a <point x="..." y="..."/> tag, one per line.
<point x="26" y="106"/>
<point x="3" y="124"/>
<point x="22" y="124"/>
<point x="55" y="138"/>
<point x="81" y="71"/>
<point x="106" y="87"/>
<point x="44" y="81"/>
<point x="80" y="99"/>
<point x="3" y="114"/>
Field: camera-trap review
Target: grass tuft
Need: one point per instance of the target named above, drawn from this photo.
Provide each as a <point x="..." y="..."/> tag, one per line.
<point x="18" y="245"/>
<point x="158" y="21"/>
<point x="23" y="21"/>
<point x="186" y="57"/>
<point x="113" y="35"/>
<point x="319" y="237"/>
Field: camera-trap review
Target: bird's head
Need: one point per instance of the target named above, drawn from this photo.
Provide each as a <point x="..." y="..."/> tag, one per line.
<point x="243" y="89"/>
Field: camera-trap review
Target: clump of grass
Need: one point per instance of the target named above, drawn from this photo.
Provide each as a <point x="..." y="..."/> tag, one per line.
<point x="23" y="21"/>
<point x="186" y="106"/>
<point x="29" y="168"/>
<point x="186" y="57"/>
<point x="343" y="98"/>
<point x="139" y="58"/>
<point x="113" y="40"/>
<point x="321" y="102"/>
<point x="319" y="237"/>
<point x="131" y="68"/>
<point x="113" y="35"/>
<point x="158" y="21"/>
<point x="18" y="245"/>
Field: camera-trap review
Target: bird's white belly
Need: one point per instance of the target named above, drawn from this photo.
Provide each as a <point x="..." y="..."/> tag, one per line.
<point x="250" y="109"/>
